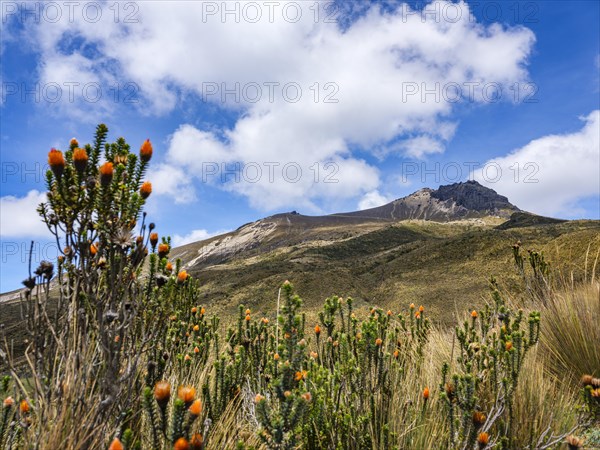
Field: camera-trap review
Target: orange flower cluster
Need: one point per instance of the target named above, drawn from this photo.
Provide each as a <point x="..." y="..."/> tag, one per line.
<point x="80" y="159"/>
<point x="195" y="408"/>
<point x="196" y="442"/>
<point x="116" y="445"/>
<point x="106" y="173"/>
<point x="163" y="251"/>
<point x="187" y="394"/>
<point x="162" y="392"/>
<point x="146" y="190"/>
<point x="182" y="276"/>
<point x="56" y="161"/>
<point x="146" y="151"/>
<point x="181" y="444"/>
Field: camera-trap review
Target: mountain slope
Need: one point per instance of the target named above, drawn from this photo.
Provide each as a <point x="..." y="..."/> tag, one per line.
<point x="386" y="255"/>
<point x="459" y="201"/>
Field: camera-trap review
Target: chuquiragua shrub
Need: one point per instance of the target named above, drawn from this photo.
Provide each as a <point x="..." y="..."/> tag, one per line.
<point x="128" y="358"/>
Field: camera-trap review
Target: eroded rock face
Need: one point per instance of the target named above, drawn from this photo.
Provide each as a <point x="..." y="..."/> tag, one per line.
<point x="452" y="202"/>
<point x="474" y="196"/>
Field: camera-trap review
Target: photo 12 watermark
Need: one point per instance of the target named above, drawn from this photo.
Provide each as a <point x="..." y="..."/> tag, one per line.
<point x="269" y="172"/>
<point x="269" y="91"/>
<point x="468" y="91"/>
<point x="69" y="92"/>
<point x="14" y="251"/>
<point x="70" y="11"/>
<point x="454" y="172"/>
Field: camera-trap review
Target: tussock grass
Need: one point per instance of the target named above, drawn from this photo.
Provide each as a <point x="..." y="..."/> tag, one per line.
<point x="571" y="331"/>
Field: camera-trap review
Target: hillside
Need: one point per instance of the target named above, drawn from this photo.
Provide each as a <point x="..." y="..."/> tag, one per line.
<point x="385" y="256"/>
<point x="443" y="265"/>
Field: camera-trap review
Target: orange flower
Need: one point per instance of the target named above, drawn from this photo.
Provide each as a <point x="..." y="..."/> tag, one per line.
<point x="508" y="346"/>
<point x="259" y="398"/>
<point x="412" y="306"/>
<point x="194" y="310"/>
<point x="24" y="407"/>
<point x="418" y="315"/>
<point x="163" y="250"/>
<point x="265" y="320"/>
<point x="8" y="402"/>
<point x="483" y="439"/>
<point x="426" y="393"/>
<point x="449" y="390"/>
<point x="73" y="143"/>
<point x="153" y="239"/>
<point x="187" y="358"/>
<point x="146" y="189"/>
<point x="478" y="418"/>
<point x="421" y="308"/>
<point x="474" y="314"/>
<point x="389" y="313"/>
<point x="317" y="330"/>
<point x="314" y="355"/>
<point x="378" y="342"/>
<point x="202" y="311"/>
<point x="298" y="376"/>
<point x="196" y="408"/>
<point x="181" y="444"/>
<point x="307" y="396"/>
<point x="286" y="394"/>
<point x="187" y="394"/>
<point x="196" y="442"/>
<point x="247" y="317"/>
<point x="276" y="356"/>
<point x="169" y="266"/>
<point x="93" y="249"/>
<point x="182" y="276"/>
<point x="146" y="151"/>
<point x="106" y="173"/>
<point x="80" y="159"/>
<point x="116" y="445"/>
<point x="248" y="311"/>
<point x="196" y="350"/>
<point x="162" y="392"/>
<point x="56" y="162"/>
<point x="196" y="328"/>
<point x="396" y="354"/>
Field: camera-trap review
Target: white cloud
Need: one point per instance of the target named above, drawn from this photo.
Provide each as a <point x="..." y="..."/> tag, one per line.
<point x="372" y="199"/>
<point x="18" y="216"/>
<point x="420" y="146"/>
<point x="194" y="236"/>
<point x="357" y="86"/>
<point x="554" y="172"/>
<point x="172" y="181"/>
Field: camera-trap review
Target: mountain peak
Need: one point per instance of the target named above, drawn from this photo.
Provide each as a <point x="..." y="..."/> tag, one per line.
<point x="463" y="200"/>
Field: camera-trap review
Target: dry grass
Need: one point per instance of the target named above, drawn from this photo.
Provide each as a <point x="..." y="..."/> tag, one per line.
<point x="571" y="332"/>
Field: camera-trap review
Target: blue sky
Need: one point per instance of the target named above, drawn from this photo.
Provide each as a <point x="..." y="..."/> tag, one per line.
<point x="339" y="105"/>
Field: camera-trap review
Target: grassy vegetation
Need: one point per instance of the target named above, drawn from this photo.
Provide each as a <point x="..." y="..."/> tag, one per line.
<point x="124" y="351"/>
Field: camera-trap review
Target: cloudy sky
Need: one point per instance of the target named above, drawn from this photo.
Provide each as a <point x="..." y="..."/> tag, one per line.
<point x="260" y="107"/>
